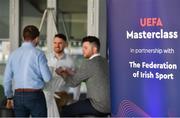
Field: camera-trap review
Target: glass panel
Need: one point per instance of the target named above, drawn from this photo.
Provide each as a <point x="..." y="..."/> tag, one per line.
<point x="72" y="21"/>
<point x="4" y="19"/>
<point x="31" y="12"/>
<point x="4" y="53"/>
<point x="72" y="18"/>
<point x="4" y="37"/>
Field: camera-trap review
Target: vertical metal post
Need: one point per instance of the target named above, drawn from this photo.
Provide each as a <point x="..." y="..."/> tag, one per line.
<point x="93" y="17"/>
<point x="14" y="24"/>
<point x="103" y="27"/>
<point x="50" y="26"/>
<point x="97" y="25"/>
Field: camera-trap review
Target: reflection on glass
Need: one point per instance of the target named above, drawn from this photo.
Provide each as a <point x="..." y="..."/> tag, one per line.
<point x="4" y="53"/>
<point x="4" y="50"/>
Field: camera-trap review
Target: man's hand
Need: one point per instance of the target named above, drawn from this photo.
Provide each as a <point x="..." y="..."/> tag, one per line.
<point x="64" y="98"/>
<point x="9" y="104"/>
<point x="65" y="72"/>
<point x="62" y="72"/>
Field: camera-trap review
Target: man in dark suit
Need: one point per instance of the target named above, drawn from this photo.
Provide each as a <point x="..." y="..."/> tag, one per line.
<point x="94" y="72"/>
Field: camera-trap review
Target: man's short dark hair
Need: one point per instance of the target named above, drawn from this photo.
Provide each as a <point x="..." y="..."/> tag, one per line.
<point x="30" y="32"/>
<point x="92" y="39"/>
<point x="62" y="36"/>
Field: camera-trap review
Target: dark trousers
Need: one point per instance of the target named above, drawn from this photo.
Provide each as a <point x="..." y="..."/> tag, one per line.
<point x="80" y="108"/>
<point x="30" y="104"/>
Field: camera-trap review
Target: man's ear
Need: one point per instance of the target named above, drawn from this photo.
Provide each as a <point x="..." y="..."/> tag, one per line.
<point x="95" y="50"/>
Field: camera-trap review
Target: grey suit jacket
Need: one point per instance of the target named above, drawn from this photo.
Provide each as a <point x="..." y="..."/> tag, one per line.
<point x="94" y="73"/>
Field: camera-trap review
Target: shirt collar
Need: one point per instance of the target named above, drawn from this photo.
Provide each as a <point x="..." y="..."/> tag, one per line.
<point x="62" y="56"/>
<point x="27" y="44"/>
<point x="94" y="55"/>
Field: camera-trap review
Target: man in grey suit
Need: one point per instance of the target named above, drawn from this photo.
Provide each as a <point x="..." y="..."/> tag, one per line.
<point x="94" y="72"/>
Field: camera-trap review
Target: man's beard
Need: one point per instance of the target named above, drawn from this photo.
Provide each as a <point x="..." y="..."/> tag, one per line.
<point x="58" y="51"/>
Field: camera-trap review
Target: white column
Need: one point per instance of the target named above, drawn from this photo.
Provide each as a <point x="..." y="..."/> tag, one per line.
<point x="14" y="24"/>
<point x="97" y="25"/>
<point x="50" y="23"/>
<point x="93" y="17"/>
